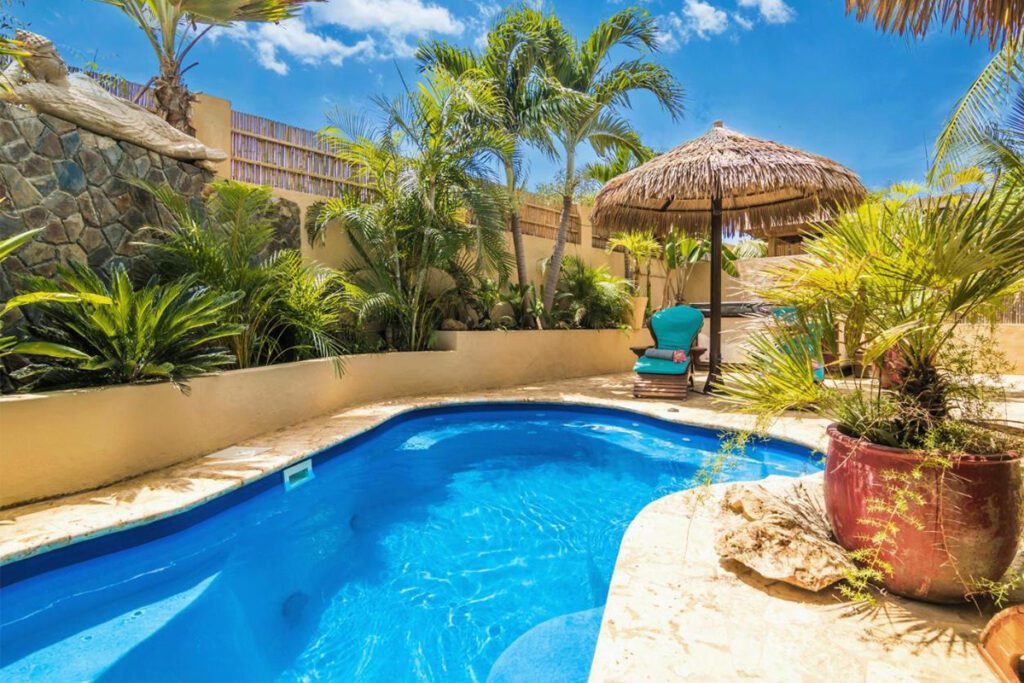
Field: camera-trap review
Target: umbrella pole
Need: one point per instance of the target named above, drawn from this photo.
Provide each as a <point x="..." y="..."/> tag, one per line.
<point x="715" y="351"/>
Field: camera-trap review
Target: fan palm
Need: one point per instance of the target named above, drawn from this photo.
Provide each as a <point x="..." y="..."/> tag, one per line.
<point x="602" y="89"/>
<point x="431" y="214"/>
<point x="173" y="27"/>
<point x="906" y="275"/>
<point x="525" y="103"/>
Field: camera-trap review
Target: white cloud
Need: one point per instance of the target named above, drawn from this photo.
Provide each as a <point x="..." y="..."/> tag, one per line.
<point x="294" y="38"/>
<point x="704" y="19"/>
<point x="400" y="18"/>
<point x="772" y="11"/>
<point x="742" y="21"/>
<point x="697" y="18"/>
<point x="383" y="28"/>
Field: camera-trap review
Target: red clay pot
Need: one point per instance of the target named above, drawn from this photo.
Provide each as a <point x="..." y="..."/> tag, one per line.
<point x="972" y="516"/>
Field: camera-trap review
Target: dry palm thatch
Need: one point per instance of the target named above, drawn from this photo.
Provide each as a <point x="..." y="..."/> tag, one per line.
<point x="763" y="185"/>
<point x="1001" y="21"/>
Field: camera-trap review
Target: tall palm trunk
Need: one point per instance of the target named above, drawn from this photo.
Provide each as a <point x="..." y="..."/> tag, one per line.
<point x="555" y="267"/>
<point x="627" y="267"/>
<point x="174" y="101"/>
<point x="516" y="226"/>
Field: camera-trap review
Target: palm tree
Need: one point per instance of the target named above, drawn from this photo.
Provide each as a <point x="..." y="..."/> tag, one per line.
<point x="602" y="89"/>
<point x="173" y="27"/>
<point x="640" y="248"/>
<point x="525" y="102"/>
<point x="1001" y="21"/>
<point x="682" y="252"/>
<point x="435" y="217"/>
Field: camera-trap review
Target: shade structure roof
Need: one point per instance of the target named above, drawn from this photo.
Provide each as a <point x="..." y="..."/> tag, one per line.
<point x="762" y="185"/>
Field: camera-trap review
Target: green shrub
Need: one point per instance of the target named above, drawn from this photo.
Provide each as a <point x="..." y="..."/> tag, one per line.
<point x="153" y="333"/>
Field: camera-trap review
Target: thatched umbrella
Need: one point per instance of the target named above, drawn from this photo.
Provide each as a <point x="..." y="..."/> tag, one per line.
<point x="730" y="183"/>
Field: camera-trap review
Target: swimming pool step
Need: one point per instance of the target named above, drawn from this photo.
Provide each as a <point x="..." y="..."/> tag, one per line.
<point x="559" y="650"/>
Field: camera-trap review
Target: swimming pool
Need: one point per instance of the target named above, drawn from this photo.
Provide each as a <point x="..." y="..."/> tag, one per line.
<point x="420" y="550"/>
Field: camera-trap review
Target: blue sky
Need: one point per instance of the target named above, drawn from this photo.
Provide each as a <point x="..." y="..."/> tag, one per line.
<point x="796" y="71"/>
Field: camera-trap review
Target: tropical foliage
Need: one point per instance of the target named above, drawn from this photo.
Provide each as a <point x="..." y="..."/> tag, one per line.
<point x="12" y="344"/>
<point x="590" y="297"/>
<point x="174" y="27"/>
<point x="287" y="310"/>
<point x="152" y="333"/>
<point x="639" y="250"/>
<point x="431" y="217"/>
<point x="903" y="276"/>
<point x="682" y="252"/>
<point x="601" y="88"/>
<point x="525" y="103"/>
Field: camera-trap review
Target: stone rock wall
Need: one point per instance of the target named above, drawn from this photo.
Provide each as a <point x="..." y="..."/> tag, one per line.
<point x="70" y="182"/>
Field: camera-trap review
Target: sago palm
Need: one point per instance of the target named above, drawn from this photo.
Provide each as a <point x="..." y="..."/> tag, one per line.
<point x="173" y="27"/>
<point x="153" y="333"/>
<point x="603" y="88"/>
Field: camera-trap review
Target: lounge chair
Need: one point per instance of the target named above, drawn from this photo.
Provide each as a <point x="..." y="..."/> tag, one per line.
<point x="674" y="330"/>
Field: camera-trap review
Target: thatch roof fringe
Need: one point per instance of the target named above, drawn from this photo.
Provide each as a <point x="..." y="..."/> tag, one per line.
<point x="763" y="185"/>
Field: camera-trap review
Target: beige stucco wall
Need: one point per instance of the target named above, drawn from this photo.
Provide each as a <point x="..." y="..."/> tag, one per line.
<point x="57" y="443"/>
<point x="1009" y="339"/>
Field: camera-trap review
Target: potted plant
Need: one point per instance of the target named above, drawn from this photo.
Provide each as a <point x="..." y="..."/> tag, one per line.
<point x="639" y="250"/>
<point x="921" y="485"/>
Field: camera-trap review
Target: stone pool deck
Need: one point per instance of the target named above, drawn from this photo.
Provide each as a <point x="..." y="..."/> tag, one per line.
<point x="673" y="612"/>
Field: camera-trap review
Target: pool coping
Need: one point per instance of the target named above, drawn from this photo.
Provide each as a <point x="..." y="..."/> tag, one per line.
<point x="36" y="528"/>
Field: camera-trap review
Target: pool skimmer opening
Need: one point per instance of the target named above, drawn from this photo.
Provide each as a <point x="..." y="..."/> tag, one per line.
<point x="298" y="474"/>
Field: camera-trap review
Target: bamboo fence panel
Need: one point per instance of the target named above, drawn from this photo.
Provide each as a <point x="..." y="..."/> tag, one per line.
<point x="541" y="220"/>
<point x="1014" y="313"/>
<point x="267" y="152"/>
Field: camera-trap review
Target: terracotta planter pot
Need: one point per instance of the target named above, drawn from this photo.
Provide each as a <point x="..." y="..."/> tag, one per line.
<point x="971" y="516"/>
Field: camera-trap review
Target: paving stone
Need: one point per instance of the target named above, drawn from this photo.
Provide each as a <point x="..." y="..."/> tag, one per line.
<point x="14" y="152"/>
<point x="94" y="165"/>
<point x="37" y="252"/>
<point x="35" y="217"/>
<point x="87" y="209"/>
<point x="116" y="235"/>
<point x="69" y="176"/>
<point x="61" y="203"/>
<point x="36" y="166"/>
<point x="73" y="253"/>
<point x="113" y="154"/>
<point x="59" y="126"/>
<point x="54" y="233"/>
<point x="73" y="227"/>
<point x="20" y="191"/>
<point x="30" y="127"/>
<point x="48" y="144"/>
<point x="98" y="257"/>
<point x="71" y="142"/>
<point x="45" y="184"/>
<point x="91" y="239"/>
<point x="106" y="212"/>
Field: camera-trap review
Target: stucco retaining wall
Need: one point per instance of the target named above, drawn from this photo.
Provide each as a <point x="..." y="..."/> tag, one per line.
<point x="56" y="443"/>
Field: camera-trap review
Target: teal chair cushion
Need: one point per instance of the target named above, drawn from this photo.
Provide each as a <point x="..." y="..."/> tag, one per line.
<point x="659" y="366"/>
<point x="673" y="329"/>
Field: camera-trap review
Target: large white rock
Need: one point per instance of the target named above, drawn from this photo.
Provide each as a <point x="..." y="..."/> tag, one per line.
<point x="779" y="529"/>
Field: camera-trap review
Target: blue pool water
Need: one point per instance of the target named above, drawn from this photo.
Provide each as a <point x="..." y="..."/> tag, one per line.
<point x="419" y="552"/>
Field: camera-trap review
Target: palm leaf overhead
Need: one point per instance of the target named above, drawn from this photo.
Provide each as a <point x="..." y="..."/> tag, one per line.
<point x="999" y="21"/>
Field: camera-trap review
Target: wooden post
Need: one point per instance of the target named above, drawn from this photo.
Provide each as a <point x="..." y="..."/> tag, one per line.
<point x="715" y="338"/>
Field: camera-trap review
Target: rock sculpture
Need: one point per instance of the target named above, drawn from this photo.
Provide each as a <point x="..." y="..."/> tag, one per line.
<point x="780" y="531"/>
<point x="41" y="81"/>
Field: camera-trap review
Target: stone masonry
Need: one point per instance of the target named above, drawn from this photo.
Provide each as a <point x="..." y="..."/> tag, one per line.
<point x="70" y="182"/>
